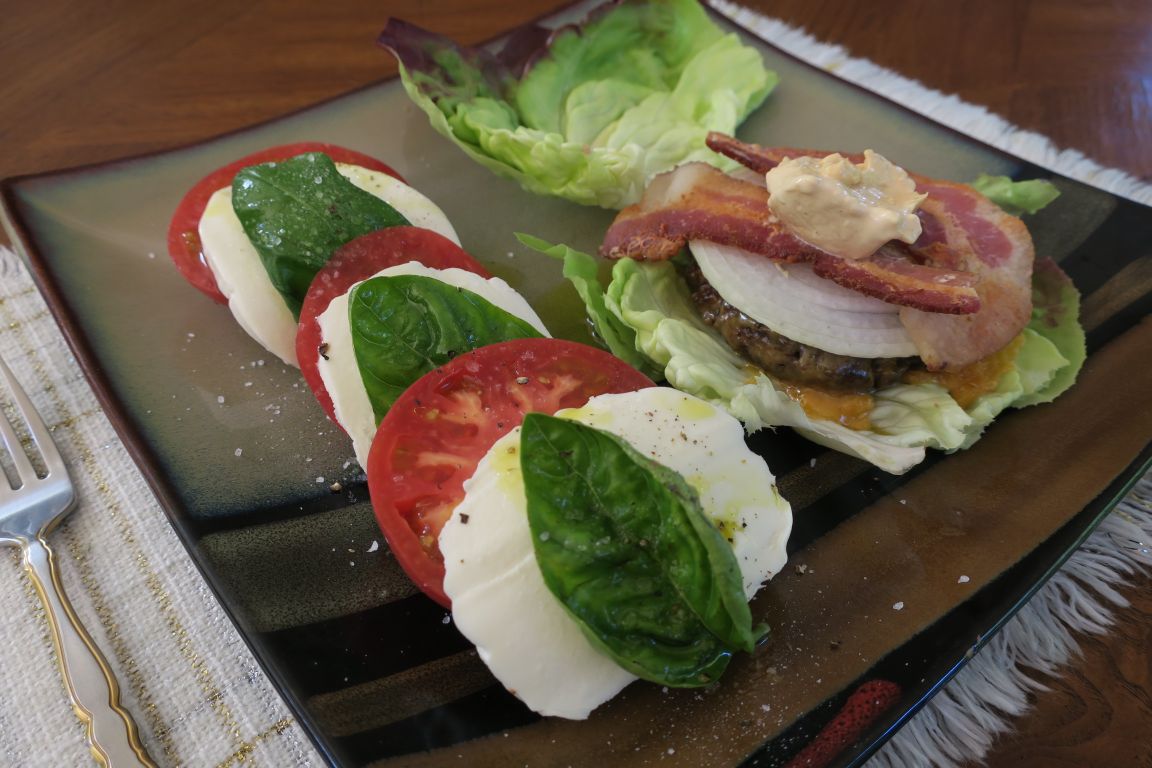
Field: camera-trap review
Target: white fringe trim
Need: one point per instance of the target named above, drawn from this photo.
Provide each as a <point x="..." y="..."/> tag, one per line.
<point x="960" y="724"/>
<point x="950" y="110"/>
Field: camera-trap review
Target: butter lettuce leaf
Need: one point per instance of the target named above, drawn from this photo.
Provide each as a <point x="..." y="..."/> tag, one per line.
<point x="1056" y="318"/>
<point x="652" y="300"/>
<point x="1016" y="197"/>
<point x="587" y="112"/>
<point x="583" y="271"/>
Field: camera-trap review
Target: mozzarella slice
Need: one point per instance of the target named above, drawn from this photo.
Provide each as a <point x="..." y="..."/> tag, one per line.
<point x="499" y="599"/>
<point x="235" y="263"/>
<point x="341" y="374"/>
<point x="418" y="209"/>
<point x="240" y="275"/>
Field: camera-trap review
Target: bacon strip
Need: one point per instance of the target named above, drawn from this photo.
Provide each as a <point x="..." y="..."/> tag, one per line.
<point x="757" y="158"/>
<point x="979" y="237"/>
<point x="699" y="202"/>
<point x="964" y="286"/>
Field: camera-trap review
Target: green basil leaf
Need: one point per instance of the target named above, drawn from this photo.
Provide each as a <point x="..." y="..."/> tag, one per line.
<point x="624" y="545"/>
<point x="296" y="212"/>
<point x="406" y="325"/>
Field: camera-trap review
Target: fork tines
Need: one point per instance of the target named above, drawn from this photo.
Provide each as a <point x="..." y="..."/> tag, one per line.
<point x="20" y="463"/>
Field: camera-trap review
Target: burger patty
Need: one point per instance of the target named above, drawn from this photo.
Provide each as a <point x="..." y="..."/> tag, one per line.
<point x="790" y="360"/>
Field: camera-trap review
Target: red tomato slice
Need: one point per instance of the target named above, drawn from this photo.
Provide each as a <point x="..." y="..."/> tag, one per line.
<point x="183" y="231"/>
<point x="437" y="431"/>
<point x="359" y="260"/>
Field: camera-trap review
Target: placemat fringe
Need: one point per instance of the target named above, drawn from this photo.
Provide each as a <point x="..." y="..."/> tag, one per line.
<point x="961" y="723"/>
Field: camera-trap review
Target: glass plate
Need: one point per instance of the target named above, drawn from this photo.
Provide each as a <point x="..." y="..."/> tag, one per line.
<point x="245" y="463"/>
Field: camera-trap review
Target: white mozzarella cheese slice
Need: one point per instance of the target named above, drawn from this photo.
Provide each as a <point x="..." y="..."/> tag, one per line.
<point x="255" y="303"/>
<point x="341" y="374"/>
<point x="412" y="205"/>
<point x="240" y="275"/>
<point x="499" y="599"/>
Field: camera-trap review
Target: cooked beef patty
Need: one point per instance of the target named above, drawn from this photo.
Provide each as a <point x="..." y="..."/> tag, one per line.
<point x="786" y="359"/>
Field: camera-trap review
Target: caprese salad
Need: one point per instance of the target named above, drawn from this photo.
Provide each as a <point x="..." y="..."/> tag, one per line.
<point x="331" y="261"/>
<point x="254" y="233"/>
<point x="387" y="308"/>
<point x="579" y="521"/>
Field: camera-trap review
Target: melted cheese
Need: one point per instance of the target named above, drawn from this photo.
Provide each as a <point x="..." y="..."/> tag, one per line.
<point x="968" y="384"/>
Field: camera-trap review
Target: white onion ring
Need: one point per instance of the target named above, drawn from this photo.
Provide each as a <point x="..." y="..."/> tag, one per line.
<point x="794" y="302"/>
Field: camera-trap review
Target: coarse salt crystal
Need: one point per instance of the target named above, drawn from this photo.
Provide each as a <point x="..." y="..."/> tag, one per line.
<point x="375" y="546"/>
<point x="239" y="451"/>
<point x="963" y="580"/>
<point x="898" y="606"/>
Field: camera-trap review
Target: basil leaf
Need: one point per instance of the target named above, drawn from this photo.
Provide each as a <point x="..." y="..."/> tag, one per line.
<point x="406" y="325"/>
<point x="624" y="545"/>
<point x="296" y="212"/>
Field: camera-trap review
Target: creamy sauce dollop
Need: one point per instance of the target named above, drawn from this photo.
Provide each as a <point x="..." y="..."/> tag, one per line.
<point x="845" y="208"/>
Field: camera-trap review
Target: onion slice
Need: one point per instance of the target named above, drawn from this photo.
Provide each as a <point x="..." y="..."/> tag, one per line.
<point x="794" y="302"/>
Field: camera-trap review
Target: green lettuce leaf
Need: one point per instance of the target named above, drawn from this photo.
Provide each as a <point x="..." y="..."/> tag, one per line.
<point x="1016" y="197"/>
<point x="583" y="271"/>
<point x="1056" y="318"/>
<point x="652" y="300"/>
<point x="297" y="212"/>
<point x="625" y="546"/>
<point x="405" y="325"/>
<point x="591" y="112"/>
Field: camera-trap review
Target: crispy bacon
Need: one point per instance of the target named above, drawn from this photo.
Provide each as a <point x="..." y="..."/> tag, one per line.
<point x="757" y="158"/>
<point x="964" y="286"/>
<point x="699" y="202"/>
<point x="991" y="245"/>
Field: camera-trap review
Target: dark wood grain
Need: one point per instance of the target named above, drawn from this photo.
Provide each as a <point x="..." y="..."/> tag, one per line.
<point x="1077" y="72"/>
<point x="85" y="82"/>
<point x="1096" y="713"/>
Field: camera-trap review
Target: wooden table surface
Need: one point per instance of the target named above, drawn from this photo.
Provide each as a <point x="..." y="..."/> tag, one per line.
<point x="84" y="82"/>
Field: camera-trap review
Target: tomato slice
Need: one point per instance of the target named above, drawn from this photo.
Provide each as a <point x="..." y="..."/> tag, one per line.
<point x="437" y="431"/>
<point x="359" y="260"/>
<point x="183" y="231"/>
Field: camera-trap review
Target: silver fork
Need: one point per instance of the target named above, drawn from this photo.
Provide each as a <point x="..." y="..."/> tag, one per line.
<point x="27" y="514"/>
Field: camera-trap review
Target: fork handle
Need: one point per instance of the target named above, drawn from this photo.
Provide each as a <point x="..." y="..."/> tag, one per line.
<point x="112" y="734"/>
